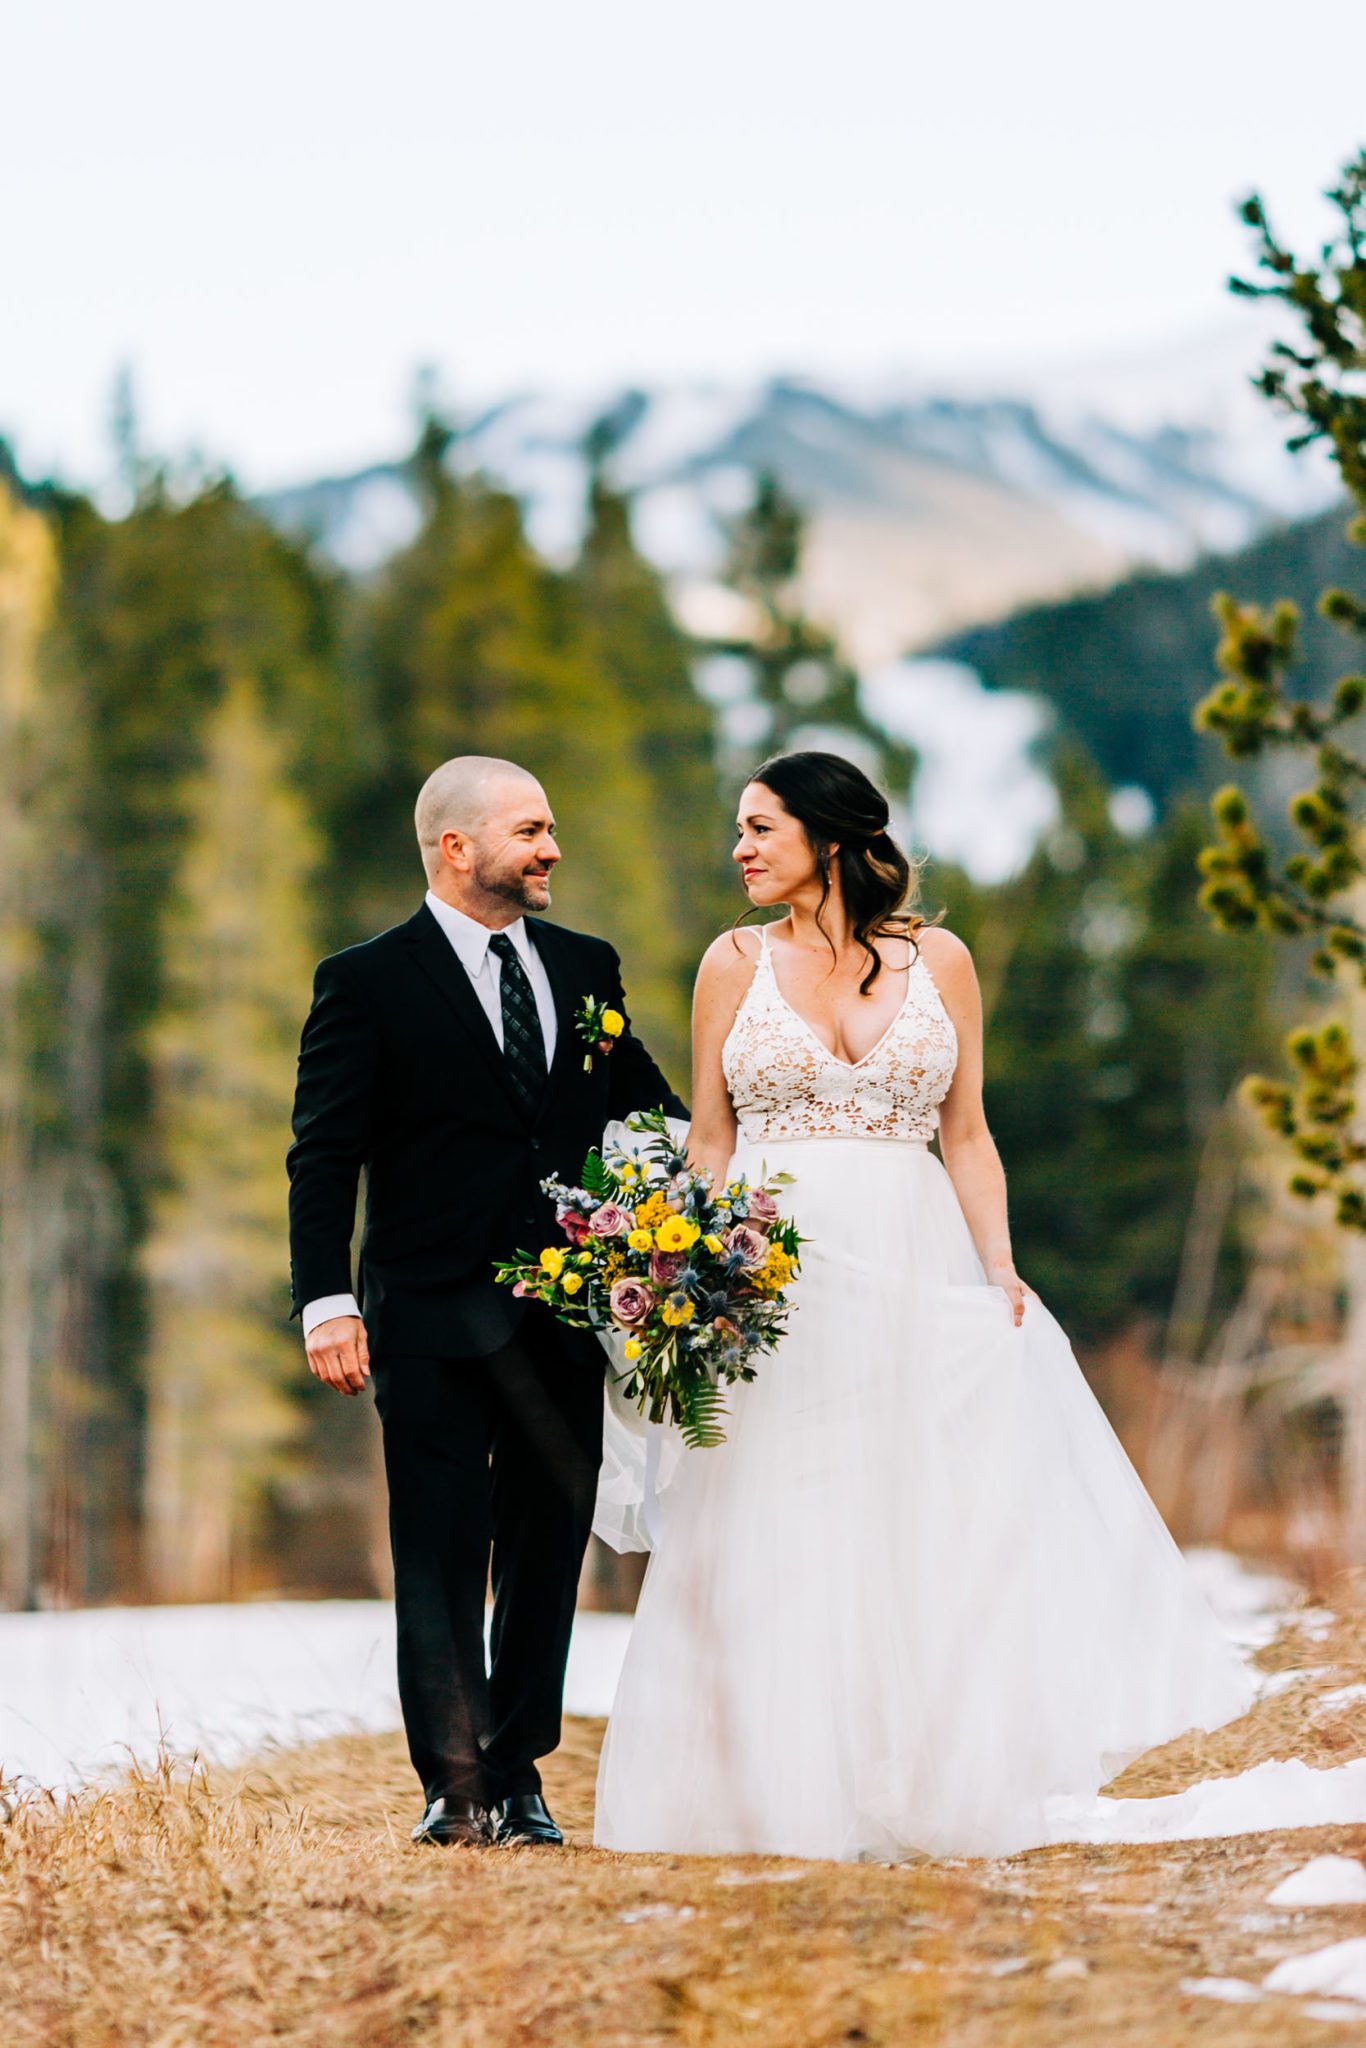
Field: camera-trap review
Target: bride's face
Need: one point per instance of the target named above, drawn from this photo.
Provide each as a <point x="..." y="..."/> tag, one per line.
<point x="772" y="850"/>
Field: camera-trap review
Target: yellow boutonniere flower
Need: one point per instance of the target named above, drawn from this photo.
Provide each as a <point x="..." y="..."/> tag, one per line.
<point x="633" y="1347"/>
<point x="552" y="1261"/>
<point x="598" y="1027"/>
<point x="639" y="1240"/>
<point x="572" y="1282"/>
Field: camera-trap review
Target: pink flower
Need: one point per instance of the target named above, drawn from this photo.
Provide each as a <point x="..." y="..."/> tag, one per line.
<point x="611" y="1220"/>
<point x="630" y="1302"/>
<point x="763" y="1208"/>
<point x="521" y="1290"/>
<point x="665" y="1267"/>
<point x="576" y="1226"/>
<point x="751" y="1244"/>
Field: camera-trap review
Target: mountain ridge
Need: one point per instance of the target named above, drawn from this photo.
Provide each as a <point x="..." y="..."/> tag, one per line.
<point x="932" y="508"/>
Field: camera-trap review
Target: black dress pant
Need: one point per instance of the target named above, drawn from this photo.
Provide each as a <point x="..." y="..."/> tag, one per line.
<point x="489" y="1458"/>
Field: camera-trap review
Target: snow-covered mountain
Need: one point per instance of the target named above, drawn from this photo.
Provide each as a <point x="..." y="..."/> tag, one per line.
<point x="934" y="503"/>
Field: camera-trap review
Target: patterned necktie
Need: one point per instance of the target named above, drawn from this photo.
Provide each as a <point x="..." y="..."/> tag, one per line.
<point x="523" y="1040"/>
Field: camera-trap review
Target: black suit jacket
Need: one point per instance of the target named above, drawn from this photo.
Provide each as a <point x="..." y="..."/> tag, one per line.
<point x="400" y="1073"/>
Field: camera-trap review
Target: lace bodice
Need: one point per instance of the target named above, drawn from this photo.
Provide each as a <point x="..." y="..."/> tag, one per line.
<point x="785" y="1083"/>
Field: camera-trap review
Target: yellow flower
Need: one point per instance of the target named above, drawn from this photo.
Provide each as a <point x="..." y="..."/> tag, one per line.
<point x="677" y="1234"/>
<point x="639" y="1240"/>
<point x="634" y="1347"/>
<point x="712" y="1242"/>
<point x="613" y="1267"/>
<point x="572" y="1282"/>
<point x="628" y="1174"/>
<point x="654" y="1210"/>
<point x="777" y="1269"/>
<point x="584" y="1259"/>
<point x="552" y="1261"/>
<point x="613" y="1023"/>
<point x="677" y="1309"/>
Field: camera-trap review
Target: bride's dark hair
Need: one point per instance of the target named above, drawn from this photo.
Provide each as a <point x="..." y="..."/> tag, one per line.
<point x="845" y="817"/>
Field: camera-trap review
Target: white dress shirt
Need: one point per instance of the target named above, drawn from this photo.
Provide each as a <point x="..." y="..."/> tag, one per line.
<point x="470" y="942"/>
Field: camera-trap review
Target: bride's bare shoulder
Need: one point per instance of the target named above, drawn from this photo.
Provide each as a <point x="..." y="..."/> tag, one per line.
<point x="729" y="958"/>
<point x="946" y="956"/>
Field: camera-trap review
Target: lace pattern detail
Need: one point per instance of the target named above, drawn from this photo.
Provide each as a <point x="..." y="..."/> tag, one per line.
<point x="785" y="1083"/>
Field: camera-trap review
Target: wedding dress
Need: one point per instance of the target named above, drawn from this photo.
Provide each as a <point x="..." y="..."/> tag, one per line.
<point x="920" y="1589"/>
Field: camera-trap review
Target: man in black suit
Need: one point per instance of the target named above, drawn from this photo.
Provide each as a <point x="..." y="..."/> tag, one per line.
<point x="444" y="1058"/>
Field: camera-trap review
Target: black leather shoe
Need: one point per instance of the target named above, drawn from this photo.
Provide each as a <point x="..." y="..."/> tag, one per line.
<point x="524" y="1818"/>
<point x="450" y="1821"/>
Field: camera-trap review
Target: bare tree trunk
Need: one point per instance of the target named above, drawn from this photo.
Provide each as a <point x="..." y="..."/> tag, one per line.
<point x="1353" y="1376"/>
<point x="27" y="581"/>
<point x="16" y="1365"/>
<point x="1354" y="1404"/>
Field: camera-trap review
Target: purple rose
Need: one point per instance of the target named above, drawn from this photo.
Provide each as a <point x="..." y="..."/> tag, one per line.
<point x="630" y="1302"/>
<point x="611" y="1220"/>
<point x="665" y="1267"/>
<point x="763" y="1208"/>
<point x="751" y="1245"/>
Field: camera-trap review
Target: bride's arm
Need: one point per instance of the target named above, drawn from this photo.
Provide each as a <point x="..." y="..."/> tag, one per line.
<point x="725" y="973"/>
<point x="970" y="1155"/>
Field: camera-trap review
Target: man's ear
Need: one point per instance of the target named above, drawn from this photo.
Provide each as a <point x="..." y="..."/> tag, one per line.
<point x="455" y="851"/>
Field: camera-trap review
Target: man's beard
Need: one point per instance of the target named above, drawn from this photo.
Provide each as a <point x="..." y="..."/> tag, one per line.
<point x="527" y="891"/>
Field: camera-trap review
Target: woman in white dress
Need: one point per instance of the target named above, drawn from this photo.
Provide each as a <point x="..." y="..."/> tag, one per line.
<point x="920" y="1590"/>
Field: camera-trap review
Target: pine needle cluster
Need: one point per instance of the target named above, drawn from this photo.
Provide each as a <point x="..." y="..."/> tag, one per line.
<point x="1310" y="886"/>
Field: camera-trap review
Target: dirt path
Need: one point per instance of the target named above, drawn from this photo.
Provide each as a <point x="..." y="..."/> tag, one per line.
<point x="284" y="1904"/>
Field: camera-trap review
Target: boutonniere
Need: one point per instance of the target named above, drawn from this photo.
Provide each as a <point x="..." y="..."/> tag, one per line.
<point x="599" y="1027"/>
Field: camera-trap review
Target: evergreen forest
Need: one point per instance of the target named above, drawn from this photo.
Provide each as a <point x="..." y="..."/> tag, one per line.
<point x="210" y="743"/>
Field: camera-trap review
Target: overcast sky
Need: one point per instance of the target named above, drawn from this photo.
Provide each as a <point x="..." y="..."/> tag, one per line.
<point x="274" y="212"/>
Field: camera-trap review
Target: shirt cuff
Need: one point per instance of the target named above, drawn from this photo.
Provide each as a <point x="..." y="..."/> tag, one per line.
<point x="325" y="1307"/>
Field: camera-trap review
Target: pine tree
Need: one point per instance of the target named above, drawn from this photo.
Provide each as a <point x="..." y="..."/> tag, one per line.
<point x="470" y="643"/>
<point x="806" y="693"/>
<point x="1317" y="891"/>
<point x="160" y="610"/>
<point x="238" y="951"/>
<point x="633" y="643"/>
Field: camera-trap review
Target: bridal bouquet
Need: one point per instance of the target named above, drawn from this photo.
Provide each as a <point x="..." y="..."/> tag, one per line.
<point x="692" y="1281"/>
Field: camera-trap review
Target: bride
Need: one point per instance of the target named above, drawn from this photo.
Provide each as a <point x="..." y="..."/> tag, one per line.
<point x="920" y="1590"/>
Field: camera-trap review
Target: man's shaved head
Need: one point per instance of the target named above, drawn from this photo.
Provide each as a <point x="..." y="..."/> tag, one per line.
<point x="459" y="796"/>
<point x="487" y="838"/>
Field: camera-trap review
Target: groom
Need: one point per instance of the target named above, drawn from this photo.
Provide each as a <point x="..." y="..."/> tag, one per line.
<point x="444" y="1058"/>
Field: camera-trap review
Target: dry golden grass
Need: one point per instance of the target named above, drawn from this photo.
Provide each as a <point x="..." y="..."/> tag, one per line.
<point x="284" y="1904"/>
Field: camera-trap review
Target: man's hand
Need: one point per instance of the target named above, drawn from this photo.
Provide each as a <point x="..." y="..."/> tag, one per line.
<point x="339" y="1353"/>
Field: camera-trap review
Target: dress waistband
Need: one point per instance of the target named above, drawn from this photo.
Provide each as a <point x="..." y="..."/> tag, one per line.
<point x="837" y="1138"/>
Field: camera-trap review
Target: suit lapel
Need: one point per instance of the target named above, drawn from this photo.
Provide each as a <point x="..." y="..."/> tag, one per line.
<point x="436" y="955"/>
<point x="550" y="945"/>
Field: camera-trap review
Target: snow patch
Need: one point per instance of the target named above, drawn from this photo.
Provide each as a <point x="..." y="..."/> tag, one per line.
<point x="1228" y="1990"/>
<point x="1279" y="1794"/>
<point x="1339" y="1969"/>
<point x="1336" y="1702"/>
<point x="1272" y="1683"/>
<point x="85" y="1692"/>
<point x="979" y="799"/>
<point x="1326" y="1881"/>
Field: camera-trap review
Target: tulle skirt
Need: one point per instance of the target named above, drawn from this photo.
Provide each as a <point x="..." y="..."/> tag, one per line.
<point x="920" y="1589"/>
